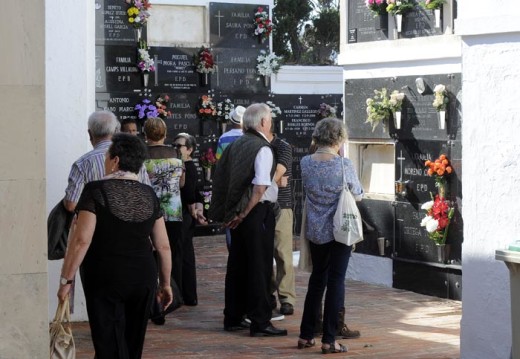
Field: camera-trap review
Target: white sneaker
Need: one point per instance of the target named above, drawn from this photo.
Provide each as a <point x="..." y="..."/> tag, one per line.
<point x="275" y="317"/>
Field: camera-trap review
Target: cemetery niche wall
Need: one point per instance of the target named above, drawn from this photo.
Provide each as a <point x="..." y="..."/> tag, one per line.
<point x="423" y="135"/>
<point x="120" y="84"/>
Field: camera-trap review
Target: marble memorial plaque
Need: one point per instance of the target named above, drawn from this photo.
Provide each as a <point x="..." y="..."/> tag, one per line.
<point x="175" y="69"/>
<point x="116" y="69"/>
<point x="112" y="26"/>
<point x="361" y="23"/>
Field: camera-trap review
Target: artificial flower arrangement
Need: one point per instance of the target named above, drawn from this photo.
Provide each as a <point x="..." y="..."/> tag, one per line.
<point x="144" y="62"/>
<point x="138" y="12"/>
<point x="204" y="62"/>
<point x="396" y="101"/>
<point x="441" y="98"/>
<point x="275" y="110"/>
<point x="378" y="108"/>
<point x="432" y="4"/>
<point x="146" y="109"/>
<point x="207" y="108"/>
<point x="224" y="109"/>
<point x="326" y="110"/>
<point x="161" y="102"/>
<point x="377" y="7"/>
<point x="268" y="63"/>
<point x="439" y="211"/>
<point x="399" y="7"/>
<point x="208" y="159"/>
<point x="263" y="26"/>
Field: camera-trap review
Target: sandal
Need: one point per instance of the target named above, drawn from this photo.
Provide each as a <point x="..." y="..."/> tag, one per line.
<point x="333" y="349"/>
<point x="306" y="343"/>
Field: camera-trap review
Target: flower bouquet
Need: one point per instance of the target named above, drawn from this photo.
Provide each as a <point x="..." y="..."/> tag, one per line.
<point x="161" y="102"/>
<point x="208" y="160"/>
<point x="326" y="110"/>
<point x="441" y="98"/>
<point x="144" y="62"/>
<point x="377" y="7"/>
<point x="263" y="26"/>
<point x="224" y="109"/>
<point x="432" y="4"/>
<point x="439" y="168"/>
<point x="396" y="103"/>
<point x="378" y="108"/>
<point x="399" y="7"/>
<point x="204" y="63"/>
<point x="275" y="110"/>
<point x="207" y="109"/>
<point x="268" y="64"/>
<point x="146" y="109"/>
<point x="439" y="213"/>
<point x="138" y="12"/>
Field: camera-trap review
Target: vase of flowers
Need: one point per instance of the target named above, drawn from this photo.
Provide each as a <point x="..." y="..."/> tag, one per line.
<point x="396" y="103"/>
<point x="378" y="9"/>
<point x="144" y="62"/>
<point x="207" y="109"/>
<point x="204" y="64"/>
<point x="207" y="161"/>
<point x="378" y="109"/>
<point x="436" y="6"/>
<point x="275" y="112"/>
<point x="263" y="26"/>
<point x="224" y="109"/>
<point x="161" y="102"/>
<point x="267" y="65"/>
<point x="145" y="109"/>
<point x="138" y="15"/>
<point x="439" y="213"/>
<point x="440" y="103"/>
<point x="398" y="8"/>
<point x="439" y="169"/>
<point x="325" y="111"/>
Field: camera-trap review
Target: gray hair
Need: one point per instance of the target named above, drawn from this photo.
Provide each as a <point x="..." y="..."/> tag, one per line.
<point x="102" y="124"/>
<point x="329" y="132"/>
<point x="254" y="114"/>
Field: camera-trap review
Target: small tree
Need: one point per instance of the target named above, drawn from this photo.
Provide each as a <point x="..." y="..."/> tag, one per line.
<point x="289" y="18"/>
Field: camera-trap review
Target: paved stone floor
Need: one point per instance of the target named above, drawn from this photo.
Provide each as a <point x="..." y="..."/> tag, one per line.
<point x="394" y="324"/>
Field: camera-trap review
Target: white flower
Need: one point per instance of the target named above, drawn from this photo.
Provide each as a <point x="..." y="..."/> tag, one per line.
<point x="426" y="220"/>
<point x="427" y="205"/>
<point x="432" y="225"/>
<point x="439" y="88"/>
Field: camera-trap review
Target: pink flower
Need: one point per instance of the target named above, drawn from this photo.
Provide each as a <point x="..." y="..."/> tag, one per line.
<point x="378" y="2"/>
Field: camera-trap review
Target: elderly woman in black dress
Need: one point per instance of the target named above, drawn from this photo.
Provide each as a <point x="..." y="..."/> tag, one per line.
<point x="116" y="217"/>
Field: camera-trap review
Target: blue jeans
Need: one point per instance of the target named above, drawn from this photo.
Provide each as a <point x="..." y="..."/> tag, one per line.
<point x="329" y="266"/>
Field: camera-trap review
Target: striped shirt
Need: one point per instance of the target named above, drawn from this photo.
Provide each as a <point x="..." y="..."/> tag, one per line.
<point x="283" y="154"/>
<point x="226" y="139"/>
<point x="91" y="167"/>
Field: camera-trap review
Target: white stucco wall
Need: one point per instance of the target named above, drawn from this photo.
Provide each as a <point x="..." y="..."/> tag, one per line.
<point x="491" y="161"/>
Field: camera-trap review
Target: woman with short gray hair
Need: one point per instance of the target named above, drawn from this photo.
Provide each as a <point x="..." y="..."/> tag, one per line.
<point x="322" y="177"/>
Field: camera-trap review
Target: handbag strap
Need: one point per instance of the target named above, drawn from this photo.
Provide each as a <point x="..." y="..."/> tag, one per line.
<point x="343" y="174"/>
<point x="63" y="311"/>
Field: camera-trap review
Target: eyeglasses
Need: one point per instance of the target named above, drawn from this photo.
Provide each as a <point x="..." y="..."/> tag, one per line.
<point x="179" y="145"/>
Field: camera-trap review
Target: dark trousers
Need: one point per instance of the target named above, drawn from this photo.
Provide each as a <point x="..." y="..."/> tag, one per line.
<point x="329" y="266"/>
<point x="249" y="269"/>
<point x="189" y="273"/>
<point x="174" y="231"/>
<point x="118" y="316"/>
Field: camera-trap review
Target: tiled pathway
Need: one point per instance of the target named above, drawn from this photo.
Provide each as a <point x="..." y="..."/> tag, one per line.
<point x="394" y="324"/>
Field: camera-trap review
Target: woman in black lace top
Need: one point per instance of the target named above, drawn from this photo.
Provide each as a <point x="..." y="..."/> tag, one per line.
<point x="116" y="217"/>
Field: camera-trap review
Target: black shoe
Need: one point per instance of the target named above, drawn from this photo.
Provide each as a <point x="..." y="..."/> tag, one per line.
<point x="269" y="331"/>
<point x="240" y="326"/>
<point x="286" y="309"/>
<point x="159" y="320"/>
<point x="191" y="303"/>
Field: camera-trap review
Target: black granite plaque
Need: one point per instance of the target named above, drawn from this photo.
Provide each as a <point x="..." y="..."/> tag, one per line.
<point x="237" y="71"/>
<point x="116" y="69"/>
<point x="112" y="26"/>
<point x="420" y="119"/>
<point x="361" y="23"/>
<point x="183" y="118"/>
<point x="175" y="69"/>
<point x="232" y="26"/>
<point x="420" y="22"/>
<point x="122" y="103"/>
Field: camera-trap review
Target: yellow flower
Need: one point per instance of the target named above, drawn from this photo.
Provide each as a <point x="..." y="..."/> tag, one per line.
<point x="130" y="20"/>
<point x="132" y="11"/>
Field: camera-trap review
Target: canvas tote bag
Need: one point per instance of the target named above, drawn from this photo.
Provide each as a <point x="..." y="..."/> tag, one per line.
<point x="62" y="343"/>
<point x="347" y="224"/>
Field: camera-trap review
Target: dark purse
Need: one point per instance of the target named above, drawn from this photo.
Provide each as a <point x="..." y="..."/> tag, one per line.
<point x="158" y="311"/>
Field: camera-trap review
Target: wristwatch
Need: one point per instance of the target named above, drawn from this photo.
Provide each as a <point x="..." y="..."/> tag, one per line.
<point x="65" y="281"/>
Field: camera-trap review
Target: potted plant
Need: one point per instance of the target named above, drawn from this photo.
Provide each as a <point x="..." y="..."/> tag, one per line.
<point x="378" y="9"/>
<point x="398" y="8"/>
<point x="207" y="161"/>
<point x="396" y="103"/>
<point x="138" y="15"/>
<point x="325" y="111"/>
<point x="378" y="109"/>
<point x="268" y="64"/>
<point x="144" y="62"/>
<point x="223" y="110"/>
<point x="263" y="26"/>
<point x="436" y="6"/>
<point x="441" y="103"/>
<point x="204" y="64"/>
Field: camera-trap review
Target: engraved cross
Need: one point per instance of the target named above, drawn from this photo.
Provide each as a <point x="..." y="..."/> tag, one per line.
<point x="401" y="159"/>
<point x="219" y="16"/>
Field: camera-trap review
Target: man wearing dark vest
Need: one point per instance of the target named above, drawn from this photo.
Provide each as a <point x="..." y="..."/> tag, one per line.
<point x="240" y="201"/>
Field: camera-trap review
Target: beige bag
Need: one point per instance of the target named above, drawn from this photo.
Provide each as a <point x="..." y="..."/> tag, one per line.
<point x="62" y="343"/>
<point x="305" y="261"/>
